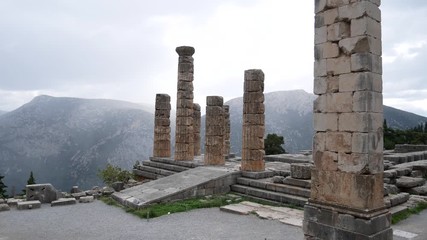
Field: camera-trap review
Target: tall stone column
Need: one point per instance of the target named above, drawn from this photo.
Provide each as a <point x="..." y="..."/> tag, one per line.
<point x="346" y="199"/>
<point x="253" y="122"/>
<point x="226" y="109"/>
<point x="184" y="134"/>
<point x="196" y="127"/>
<point x="214" y="139"/>
<point x="162" y="130"/>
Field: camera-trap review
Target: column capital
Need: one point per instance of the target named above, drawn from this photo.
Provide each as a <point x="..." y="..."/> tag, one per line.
<point x="185" y="51"/>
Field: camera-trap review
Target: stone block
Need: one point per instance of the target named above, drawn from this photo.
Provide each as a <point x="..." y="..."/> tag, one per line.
<point x="253" y="97"/>
<point x="360" y="122"/>
<point x="78" y="195"/>
<point x="338" y="31"/>
<point x="301" y="170"/>
<point x="399" y="199"/>
<point x="360" y="81"/>
<point x="254" y="119"/>
<point x="365" y="26"/>
<point x="4" y="207"/>
<point x="367" y="142"/>
<point x="319" y="141"/>
<point x="319" y="5"/>
<point x="326" y="50"/>
<point x="86" y="199"/>
<point x="254" y="75"/>
<point x="334" y="103"/>
<point x="325" y="121"/>
<point x="63" y="202"/>
<point x="28" y="205"/>
<point x="358" y="10"/>
<point x="162" y="98"/>
<point x="185" y="86"/>
<point x="330" y="16"/>
<point x="340" y="65"/>
<point x="409" y="182"/>
<point x="253" y="86"/>
<point x="321" y="35"/>
<point x="254" y="108"/>
<point x="320" y="85"/>
<point x="360" y="163"/>
<point x="44" y="193"/>
<point x="325" y="160"/>
<point x="214" y="101"/>
<point x="338" y="141"/>
<point x="390" y="173"/>
<point x="403" y="171"/>
<point x="360" y="44"/>
<point x="347" y="189"/>
<point x="361" y="62"/>
<point x="320" y="68"/>
<point x="367" y="101"/>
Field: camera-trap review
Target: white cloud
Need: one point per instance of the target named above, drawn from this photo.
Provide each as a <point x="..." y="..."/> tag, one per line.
<point x="405" y="51"/>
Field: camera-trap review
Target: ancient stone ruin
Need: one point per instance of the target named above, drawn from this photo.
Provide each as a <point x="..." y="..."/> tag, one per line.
<point x="215" y="129"/>
<point x="227" y="130"/>
<point x="162" y="130"/>
<point x="253" y="122"/>
<point x="347" y="180"/>
<point x="197" y="117"/>
<point x="184" y="135"/>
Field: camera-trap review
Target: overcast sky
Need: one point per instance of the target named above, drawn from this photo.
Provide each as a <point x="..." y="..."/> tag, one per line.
<point x="125" y="50"/>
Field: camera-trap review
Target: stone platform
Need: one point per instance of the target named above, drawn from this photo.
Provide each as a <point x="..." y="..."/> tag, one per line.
<point x="200" y="181"/>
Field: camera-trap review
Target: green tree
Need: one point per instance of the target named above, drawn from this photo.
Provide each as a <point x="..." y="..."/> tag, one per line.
<point x="31" y="179"/>
<point x="112" y="174"/>
<point x="273" y="144"/>
<point x="3" y="193"/>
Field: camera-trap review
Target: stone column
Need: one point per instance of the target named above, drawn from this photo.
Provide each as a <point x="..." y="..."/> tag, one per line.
<point x="196" y="128"/>
<point x="162" y="130"/>
<point x="346" y="199"/>
<point x="184" y="135"/>
<point x="253" y="122"/>
<point x="214" y="139"/>
<point x="226" y="109"/>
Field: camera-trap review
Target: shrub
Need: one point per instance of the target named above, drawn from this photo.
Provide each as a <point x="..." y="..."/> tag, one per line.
<point x="112" y="174"/>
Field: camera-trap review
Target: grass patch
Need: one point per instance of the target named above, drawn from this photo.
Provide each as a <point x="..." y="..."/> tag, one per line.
<point x="157" y="210"/>
<point x="407" y="213"/>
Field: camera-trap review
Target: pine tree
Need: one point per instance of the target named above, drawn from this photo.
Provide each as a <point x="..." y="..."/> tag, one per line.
<point x="31" y="179"/>
<point x="3" y="193"/>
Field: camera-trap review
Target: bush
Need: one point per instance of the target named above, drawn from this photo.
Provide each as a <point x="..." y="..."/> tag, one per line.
<point x="273" y="144"/>
<point x="112" y="174"/>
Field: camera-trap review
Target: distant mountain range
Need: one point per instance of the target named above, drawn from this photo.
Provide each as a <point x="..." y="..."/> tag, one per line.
<point x="65" y="141"/>
<point x="2" y="112"/>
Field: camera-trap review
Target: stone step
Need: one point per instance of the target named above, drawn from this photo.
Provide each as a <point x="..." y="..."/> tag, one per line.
<point x="282" y="188"/>
<point x="270" y="195"/>
<point x="188" y="164"/>
<point x="144" y="174"/>
<point x="28" y="205"/>
<point x="155" y="170"/>
<point x="297" y="182"/>
<point x="63" y="202"/>
<point x="165" y="166"/>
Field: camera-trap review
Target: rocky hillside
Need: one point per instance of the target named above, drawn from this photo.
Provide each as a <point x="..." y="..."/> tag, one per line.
<point x="289" y="113"/>
<point x="65" y="141"/>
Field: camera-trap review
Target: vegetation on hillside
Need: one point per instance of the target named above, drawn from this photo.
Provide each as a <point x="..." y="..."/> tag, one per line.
<point x="415" y="135"/>
<point x="112" y="174"/>
<point x="273" y="144"/>
<point x="3" y="193"/>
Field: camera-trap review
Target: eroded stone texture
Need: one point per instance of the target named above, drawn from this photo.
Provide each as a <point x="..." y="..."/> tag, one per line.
<point x="162" y="130"/>
<point x="197" y="116"/>
<point x="184" y="133"/>
<point x="226" y="130"/>
<point x="215" y="129"/>
<point x="253" y="122"/>
<point x="347" y="180"/>
<point x="45" y="193"/>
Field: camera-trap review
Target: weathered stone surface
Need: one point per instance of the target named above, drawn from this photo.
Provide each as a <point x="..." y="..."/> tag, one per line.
<point x="361" y="62"/>
<point x="63" y="202"/>
<point x="253" y="126"/>
<point x="227" y="131"/>
<point x="301" y="170"/>
<point x="44" y="193"/>
<point x="184" y="132"/>
<point x="4" y="207"/>
<point x="80" y="194"/>
<point x="409" y="182"/>
<point x="398" y="199"/>
<point x="162" y="145"/>
<point x="215" y="131"/>
<point x="28" y="205"/>
<point x="118" y="186"/>
<point x="87" y="199"/>
<point x="277" y="179"/>
<point x="365" y="26"/>
<point x="197" y="116"/>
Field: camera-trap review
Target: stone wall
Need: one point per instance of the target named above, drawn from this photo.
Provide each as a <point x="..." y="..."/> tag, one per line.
<point x="227" y="130"/>
<point x="162" y="130"/>
<point x="214" y="140"/>
<point x="197" y="116"/>
<point x="253" y="122"/>
<point x="184" y="135"/>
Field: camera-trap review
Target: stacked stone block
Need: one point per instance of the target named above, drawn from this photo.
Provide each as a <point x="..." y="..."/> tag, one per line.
<point x="197" y="116"/>
<point x="162" y="130"/>
<point x="214" y="140"/>
<point x="348" y="118"/>
<point x="226" y="130"/>
<point x="184" y="136"/>
<point x="253" y="122"/>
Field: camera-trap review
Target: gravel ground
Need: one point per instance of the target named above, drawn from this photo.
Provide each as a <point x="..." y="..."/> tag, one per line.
<point x="99" y="221"/>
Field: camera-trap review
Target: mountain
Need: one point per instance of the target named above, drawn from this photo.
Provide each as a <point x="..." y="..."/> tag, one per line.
<point x="2" y="112"/>
<point x="289" y="113"/>
<point x="64" y="141"/>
